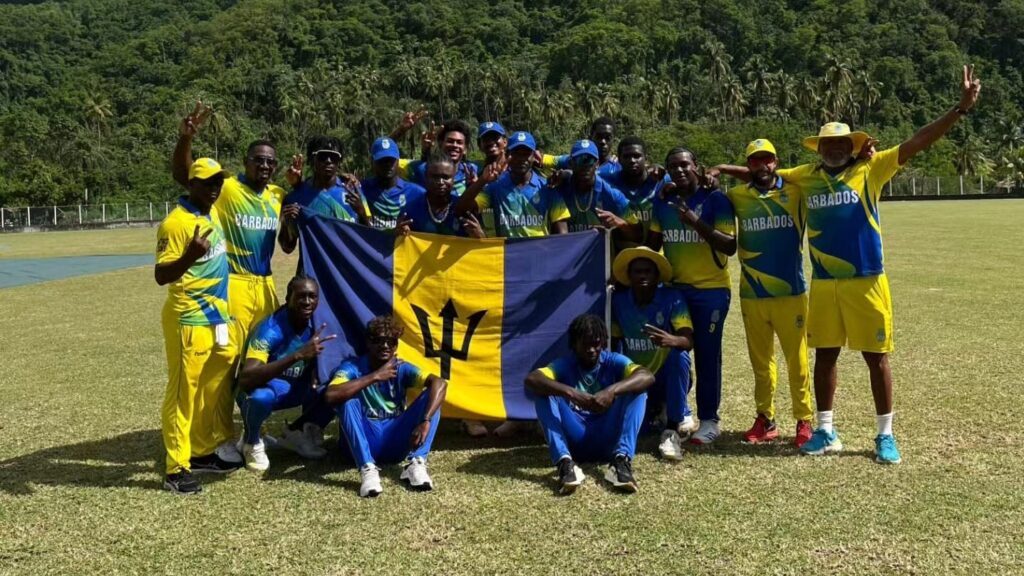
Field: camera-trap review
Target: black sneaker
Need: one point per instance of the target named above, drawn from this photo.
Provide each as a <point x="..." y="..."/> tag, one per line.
<point x="620" y="474"/>
<point x="570" y="476"/>
<point x="213" y="464"/>
<point x="182" y="483"/>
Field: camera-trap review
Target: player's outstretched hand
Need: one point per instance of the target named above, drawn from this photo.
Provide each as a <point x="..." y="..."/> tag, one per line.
<point x="970" y="87"/>
<point x="315" y="345"/>
<point x="189" y="126"/>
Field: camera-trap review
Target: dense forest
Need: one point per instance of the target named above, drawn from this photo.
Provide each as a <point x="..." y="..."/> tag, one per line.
<point x="91" y="91"/>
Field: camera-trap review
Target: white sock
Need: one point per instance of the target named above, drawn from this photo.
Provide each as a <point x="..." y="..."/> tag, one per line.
<point x="825" y="421"/>
<point x="884" y="422"/>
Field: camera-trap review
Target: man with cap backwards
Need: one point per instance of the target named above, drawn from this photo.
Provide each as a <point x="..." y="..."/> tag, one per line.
<point x="385" y="195"/>
<point x="695" y="225"/>
<point x="522" y="206"/>
<point x="248" y="210"/>
<point x="773" y="294"/>
<point x="850" y="303"/>
<point x="591" y="405"/>
<point x="651" y="325"/>
<point x="590" y="200"/>
<point x="191" y="259"/>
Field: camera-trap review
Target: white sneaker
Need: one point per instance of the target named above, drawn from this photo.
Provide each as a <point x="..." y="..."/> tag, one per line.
<point x="706" y="433"/>
<point x="687" y="427"/>
<point x="369" y="477"/>
<point x="316" y="438"/>
<point x="297" y="441"/>
<point x="229" y="452"/>
<point x="416" y="474"/>
<point x="256" y="456"/>
<point x="670" y="446"/>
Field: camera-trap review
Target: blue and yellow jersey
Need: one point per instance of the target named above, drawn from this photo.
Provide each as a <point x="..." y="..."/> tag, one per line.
<point x="249" y="221"/>
<point x="273" y="339"/>
<point x="522" y="211"/>
<point x="426" y="219"/>
<point x="328" y="201"/>
<point x="386" y="205"/>
<point x="666" y="311"/>
<point x="200" y="296"/>
<point x="611" y="367"/>
<point x="694" y="262"/>
<point x="640" y="197"/>
<point x="606" y="169"/>
<point x="416" y="171"/>
<point x="771" y="239"/>
<point x="383" y="399"/>
<point x="581" y="206"/>
<point x="843" y="228"/>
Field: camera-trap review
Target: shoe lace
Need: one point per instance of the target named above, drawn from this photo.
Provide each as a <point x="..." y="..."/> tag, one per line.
<point x="886" y="442"/>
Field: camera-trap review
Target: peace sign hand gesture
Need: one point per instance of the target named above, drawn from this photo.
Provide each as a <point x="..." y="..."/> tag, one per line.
<point x="189" y="126"/>
<point x="294" y="173"/>
<point x="969" y="88"/>
<point x="315" y="345"/>
<point x="410" y="119"/>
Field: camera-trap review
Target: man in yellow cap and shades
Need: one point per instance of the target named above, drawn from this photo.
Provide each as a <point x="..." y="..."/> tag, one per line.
<point x="191" y="259"/>
<point x="850" y="303"/>
<point x="773" y="293"/>
<point x="651" y="326"/>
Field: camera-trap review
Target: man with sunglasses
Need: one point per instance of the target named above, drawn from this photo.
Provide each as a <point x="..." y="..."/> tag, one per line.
<point x="378" y="427"/>
<point x="386" y="195"/>
<point x="247" y="210"/>
<point x="590" y="200"/>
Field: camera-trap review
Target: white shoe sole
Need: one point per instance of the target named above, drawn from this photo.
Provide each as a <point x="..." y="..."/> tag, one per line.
<point x="613" y="479"/>
<point x="670" y="455"/>
<point x="570" y="487"/>
<point x="830" y="449"/>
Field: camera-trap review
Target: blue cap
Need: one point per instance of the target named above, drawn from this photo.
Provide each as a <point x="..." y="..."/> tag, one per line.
<point x="488" y="127"/>
<point x="582" y="147"/>
<point x="384" y="147"/>
<point x="521" y="139"/>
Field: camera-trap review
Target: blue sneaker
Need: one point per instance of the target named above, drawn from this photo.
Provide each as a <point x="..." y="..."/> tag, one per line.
<point x="886" y="451"/>
<point x="822" y="442"/>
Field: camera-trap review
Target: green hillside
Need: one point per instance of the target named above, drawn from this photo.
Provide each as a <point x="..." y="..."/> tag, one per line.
<point x="91" y="90"/>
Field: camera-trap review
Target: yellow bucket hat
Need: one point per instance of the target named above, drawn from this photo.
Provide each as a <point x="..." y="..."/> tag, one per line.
<point x="620" y="268"/>
<point x="836" y="130"/>
<point x="205" y="168"/>
<point x="760" y="145"/>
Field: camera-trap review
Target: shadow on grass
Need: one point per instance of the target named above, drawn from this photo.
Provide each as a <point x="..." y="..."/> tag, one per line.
<point x="518" y="463"/>
<point x="127" y="460"/>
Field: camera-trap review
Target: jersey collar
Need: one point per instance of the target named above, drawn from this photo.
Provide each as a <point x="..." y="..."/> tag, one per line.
<point x="184" y="202"/>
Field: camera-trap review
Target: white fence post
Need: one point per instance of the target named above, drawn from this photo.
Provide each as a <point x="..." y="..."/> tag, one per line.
<point x="104" y="207"/>
<point x="3" y="222"/>
<point x="938" y="186"/>
<point x="54" y="214"/>
<point x="167" y="209"/>
<point x="961" y="184"/>
<point x="127" y="218"/>
<point x="913" y="186"/>
<point x="150" y="211"/>
<point x="79" y="214"/>
<point x="28" y="211"/>
<point x="982" y="184"/>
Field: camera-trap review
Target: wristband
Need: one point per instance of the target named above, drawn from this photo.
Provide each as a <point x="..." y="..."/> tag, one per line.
<point x="960" y="111"/>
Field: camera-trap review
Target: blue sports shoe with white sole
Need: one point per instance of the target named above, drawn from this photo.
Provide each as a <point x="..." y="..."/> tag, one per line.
<point x="822" y="442"/>
<point x="886" y="451"/>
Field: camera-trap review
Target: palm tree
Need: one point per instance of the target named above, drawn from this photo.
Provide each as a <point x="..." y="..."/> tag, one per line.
<point x="970" y="158"/>
<point x="218" y="122"/>
<point x="98" y="113"/>
<point x="759" y="80"/>
<point x="838" y="88"/>
<point x="786" y="91"/>
<point x="868" y="94"/>
<point x="735" y="99"/>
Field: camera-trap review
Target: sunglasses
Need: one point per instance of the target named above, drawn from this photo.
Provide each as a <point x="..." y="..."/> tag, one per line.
<point x="584" y="161"/>
<point x="327" y="156"/>
<point x="263" y="160"/>
<point x="384" y="341"/>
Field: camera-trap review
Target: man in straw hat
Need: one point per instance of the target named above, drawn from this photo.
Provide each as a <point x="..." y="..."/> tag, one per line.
<point x="850" y="303"/>
<point x="651" y="325"/>
<point x="773" y="292"/>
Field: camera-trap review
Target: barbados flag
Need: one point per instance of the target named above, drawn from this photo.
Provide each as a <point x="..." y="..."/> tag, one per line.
<point x="480" y="313"/>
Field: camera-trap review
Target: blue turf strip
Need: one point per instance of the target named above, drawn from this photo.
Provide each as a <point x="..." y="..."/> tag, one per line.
<point x="19" y="272"/>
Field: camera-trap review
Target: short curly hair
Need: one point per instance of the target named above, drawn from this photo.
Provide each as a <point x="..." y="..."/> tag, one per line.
<point x="384" y="327"/>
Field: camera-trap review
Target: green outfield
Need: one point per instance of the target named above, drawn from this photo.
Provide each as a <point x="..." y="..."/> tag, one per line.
<point x="82" y="373"/>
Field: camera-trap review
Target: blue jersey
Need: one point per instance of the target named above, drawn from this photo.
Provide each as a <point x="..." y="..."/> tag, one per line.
<point x="328" y="201"/>
<point x="383" y="399"/>
<point x="416" y="171"/>
<point x="640" y="197"/>
<point x="666" y="311"/>
<point x="610" y="368"/>
<point x="582" y="215"/>
<point x="522" y="211"/>
<point x="426" y="219"/>
<point x="386" y="205"/>
<point x="273" y="339"/>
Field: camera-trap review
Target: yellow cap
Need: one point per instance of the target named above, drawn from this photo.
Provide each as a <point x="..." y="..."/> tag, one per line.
<point x="836" y="130"/>
<point x="620" y="268"/>
<point x="204" y="168"/>
<point x="760" y="145"/>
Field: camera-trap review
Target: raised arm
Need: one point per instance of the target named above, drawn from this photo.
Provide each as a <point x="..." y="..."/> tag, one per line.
<point x="409" y="119"/>
<point x="926" y="136"/>
<point x="187" y="130"/>
<point x="467" y="202"/>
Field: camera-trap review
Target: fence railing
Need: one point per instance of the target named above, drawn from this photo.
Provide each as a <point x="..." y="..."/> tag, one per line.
<point x="82" y="215"/>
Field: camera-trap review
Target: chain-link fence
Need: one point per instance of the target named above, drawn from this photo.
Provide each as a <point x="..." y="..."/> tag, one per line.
<point x="81" y="215"/>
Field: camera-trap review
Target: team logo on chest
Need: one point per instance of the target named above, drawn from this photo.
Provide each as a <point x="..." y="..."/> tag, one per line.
<point x="660" y="318"/>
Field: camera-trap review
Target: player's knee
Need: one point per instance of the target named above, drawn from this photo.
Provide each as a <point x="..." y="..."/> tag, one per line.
<point x="262" y="398"/>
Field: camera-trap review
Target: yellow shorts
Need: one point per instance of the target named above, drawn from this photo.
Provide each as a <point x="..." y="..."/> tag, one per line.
<point x="192" y="418"/>
<point x="853" y="312"/>
<point x="250" y="299"/>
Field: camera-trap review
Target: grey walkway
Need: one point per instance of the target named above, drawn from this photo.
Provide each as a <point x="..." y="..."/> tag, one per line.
<point x="18" y="272"/>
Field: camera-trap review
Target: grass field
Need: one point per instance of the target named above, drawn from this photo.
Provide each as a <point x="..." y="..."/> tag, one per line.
<point x="82" y="377"/>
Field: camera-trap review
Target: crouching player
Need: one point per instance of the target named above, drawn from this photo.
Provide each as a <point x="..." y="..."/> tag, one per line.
<point x="591" y="404"/>
<point x="370" y="395"/>
<point x="651" y="325"/>
<point x="279" y="372"/>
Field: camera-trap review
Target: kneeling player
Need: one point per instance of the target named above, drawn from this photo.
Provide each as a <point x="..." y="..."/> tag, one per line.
<point x="651" y="325"/>
<point x="278" y="372"/>
<point x="591" y="404"/>
<point x="370" y="395"/>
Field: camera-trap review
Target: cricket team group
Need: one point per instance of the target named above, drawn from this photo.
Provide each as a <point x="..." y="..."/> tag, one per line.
<point x="230" y="342"/>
